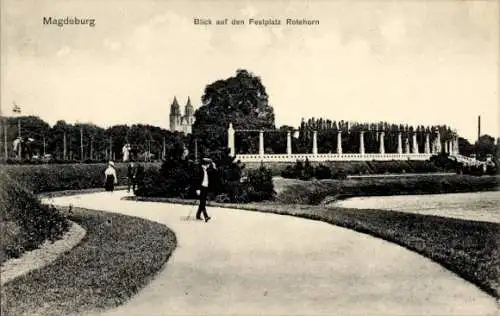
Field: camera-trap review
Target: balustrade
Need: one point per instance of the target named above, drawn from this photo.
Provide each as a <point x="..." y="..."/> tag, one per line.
<point x="451" y="146"/>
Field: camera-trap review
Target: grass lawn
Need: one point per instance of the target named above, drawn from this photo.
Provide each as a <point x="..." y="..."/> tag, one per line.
<point x="315" y="192"/>
<point x="118" y="256"/>
<point x="471" y="249"/>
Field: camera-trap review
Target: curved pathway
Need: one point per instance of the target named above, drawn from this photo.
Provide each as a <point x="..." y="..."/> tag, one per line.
<point x="245" y="262"/>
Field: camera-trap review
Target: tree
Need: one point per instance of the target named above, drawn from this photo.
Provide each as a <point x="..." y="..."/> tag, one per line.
<point x="497" y="148"/>
<point x="485" y="145"/>
<point x="241" y="100"/>
<point x="464" y="147"/>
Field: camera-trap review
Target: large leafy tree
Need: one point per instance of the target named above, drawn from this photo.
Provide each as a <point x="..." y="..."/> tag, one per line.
<point x="241" y="100"/>
<point x="484" y="146"/>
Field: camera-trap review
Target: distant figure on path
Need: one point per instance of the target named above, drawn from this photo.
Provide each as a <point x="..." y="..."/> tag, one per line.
<point x="132" y="176"/>
<point x="15" y="146"/>
<point x="126" y="152"/>
<point x="110" y="177"/>
<point x="204" y="178"/>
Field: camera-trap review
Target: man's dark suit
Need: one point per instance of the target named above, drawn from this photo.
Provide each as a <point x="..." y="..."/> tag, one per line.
<point x="198" y="185"/>
<point x="132" y="177"/>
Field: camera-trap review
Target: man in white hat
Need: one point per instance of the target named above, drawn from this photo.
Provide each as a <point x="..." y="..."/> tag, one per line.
<point x="204" y="180"/>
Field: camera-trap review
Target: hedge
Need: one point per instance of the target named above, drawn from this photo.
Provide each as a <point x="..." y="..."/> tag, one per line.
<point x="48" y="177"/>
<point x="24" y="222"/>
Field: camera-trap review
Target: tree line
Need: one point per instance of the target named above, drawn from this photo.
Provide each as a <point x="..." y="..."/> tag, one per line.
<point x="327" y="135"/>
<point x="242" y="100"/>
<point x="86" y="141"/>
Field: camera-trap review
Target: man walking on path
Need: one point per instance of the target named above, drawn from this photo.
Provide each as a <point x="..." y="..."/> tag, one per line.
<point x="204" y="179"/>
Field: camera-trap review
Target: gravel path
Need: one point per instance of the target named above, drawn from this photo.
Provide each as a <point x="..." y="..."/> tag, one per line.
<point x="244" y="262"/>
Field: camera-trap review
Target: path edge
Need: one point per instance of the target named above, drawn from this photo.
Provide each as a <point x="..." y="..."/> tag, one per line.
<point x="38" y="258"/>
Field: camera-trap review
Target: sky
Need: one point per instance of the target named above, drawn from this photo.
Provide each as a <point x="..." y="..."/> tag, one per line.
<point x="415" y="62"/>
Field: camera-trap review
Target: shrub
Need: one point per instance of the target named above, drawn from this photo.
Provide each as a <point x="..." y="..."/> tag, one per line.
<point x="307" y="172"/>
<point x="299" y="171"/>
<point x="443" y="162"/>
<point x="493" y="167"/>
<point x="293" y="172"/>
<point x="289" y="172"/>
<point x="30" y="223"/>
<point x="259" y="185"/>
<point x="339" y="175"/>
<point x="172" y="179"/>
<point x="322" y="172"/>
<point x="175" y="179"/>
<point x="229" y="174"/>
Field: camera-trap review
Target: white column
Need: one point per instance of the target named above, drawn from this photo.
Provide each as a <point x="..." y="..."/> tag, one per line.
<point x="339" y="142"/>
<point x="382" y="145"/>
<point x="427" y="148"/>
<point x="415" y="144"/>
<point x="288" y="143"/>
<point x="400" y="145"/>
<point x="362" y="143"/>
<point x="315" y="142"/>
<point x="230" y="140"/>
<point x="407" y="145"/>
<point x="439" y="149"/>
<point x="261" y="143"/>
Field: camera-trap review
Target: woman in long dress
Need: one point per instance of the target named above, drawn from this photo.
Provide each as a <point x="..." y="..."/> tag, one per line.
<point x="110" y="177"/>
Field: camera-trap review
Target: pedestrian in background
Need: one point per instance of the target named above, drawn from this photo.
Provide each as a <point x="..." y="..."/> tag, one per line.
<point x="110" y="177"/>
<point x="132" y="176"/>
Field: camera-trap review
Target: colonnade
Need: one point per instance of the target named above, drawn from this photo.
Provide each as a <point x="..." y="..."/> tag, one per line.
<point x="450" y="146"/>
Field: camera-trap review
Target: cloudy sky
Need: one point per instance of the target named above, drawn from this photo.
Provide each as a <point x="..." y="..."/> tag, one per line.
<point x="417" y="62"/>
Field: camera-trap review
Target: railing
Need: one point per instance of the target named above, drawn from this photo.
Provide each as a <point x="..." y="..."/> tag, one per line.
<point x="329" y="157"/>
<point x="467" y="160"/>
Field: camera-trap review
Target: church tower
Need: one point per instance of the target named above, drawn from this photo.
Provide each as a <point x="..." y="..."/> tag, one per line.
<point x="175" y="116"/>
<point x="188" y="118"/>
<point x="189" y="111"/>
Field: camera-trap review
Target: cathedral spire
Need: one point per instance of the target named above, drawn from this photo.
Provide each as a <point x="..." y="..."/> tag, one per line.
<point x="174" y="108"/>
<point x="189" y="110"/>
